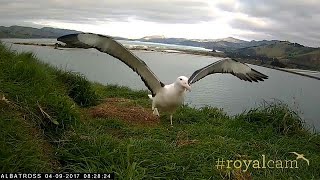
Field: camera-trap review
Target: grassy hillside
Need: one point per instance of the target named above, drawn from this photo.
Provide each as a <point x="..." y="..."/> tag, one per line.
<point x="292" y="55"/>
<point x="282" y="50"/>
<point x="54" y="121"/>
<point x="307" y="59"/>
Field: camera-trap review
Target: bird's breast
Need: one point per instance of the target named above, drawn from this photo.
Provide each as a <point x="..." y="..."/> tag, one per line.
<point x="169" y="99"/>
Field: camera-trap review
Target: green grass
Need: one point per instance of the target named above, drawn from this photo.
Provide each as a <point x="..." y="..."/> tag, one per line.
<point x="20" y="147"/>
<point x="69" y="140"/>
<point x="78" y="88"/>
<point x="34" y="86"/>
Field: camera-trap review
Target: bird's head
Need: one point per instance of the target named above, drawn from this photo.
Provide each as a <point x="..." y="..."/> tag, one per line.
<point x="183" y="82"/>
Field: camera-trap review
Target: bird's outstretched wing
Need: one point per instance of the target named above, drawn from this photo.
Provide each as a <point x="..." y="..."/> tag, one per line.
<point x="242" y="71"/>
<point x="108" y="45"/>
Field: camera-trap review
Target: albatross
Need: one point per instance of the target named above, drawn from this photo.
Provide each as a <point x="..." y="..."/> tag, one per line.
<point x="165" y="98"/>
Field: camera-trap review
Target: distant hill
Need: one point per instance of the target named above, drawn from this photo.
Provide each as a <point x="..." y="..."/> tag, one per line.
<point x="228" y="39"/>
<point x="29" y="32"/>
<point x="225" y="44"/>
<point x="154" y="37"/>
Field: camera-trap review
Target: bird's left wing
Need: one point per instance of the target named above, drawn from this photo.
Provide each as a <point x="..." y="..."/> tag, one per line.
<point x="238" y="69"/>
<point x="108" y="45"/>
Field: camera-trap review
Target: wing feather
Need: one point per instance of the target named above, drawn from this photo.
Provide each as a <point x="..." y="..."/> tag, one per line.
<point x="238" y="69"/>
<point x="108" y="45"/>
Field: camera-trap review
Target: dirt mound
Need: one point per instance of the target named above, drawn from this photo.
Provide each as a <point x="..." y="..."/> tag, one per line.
<point x="126" y="110"/>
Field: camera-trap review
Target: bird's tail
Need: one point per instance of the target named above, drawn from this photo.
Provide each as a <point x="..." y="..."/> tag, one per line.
<point x="150" y="96"/>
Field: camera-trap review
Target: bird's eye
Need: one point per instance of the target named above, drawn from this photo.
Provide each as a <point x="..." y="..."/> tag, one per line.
<point x="180" y="79"/>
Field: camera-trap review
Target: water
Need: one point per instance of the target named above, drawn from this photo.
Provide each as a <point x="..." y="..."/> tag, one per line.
<point x="162" y="46"/>
<point x="219" y="90"/>
<point x="126" y="43"/>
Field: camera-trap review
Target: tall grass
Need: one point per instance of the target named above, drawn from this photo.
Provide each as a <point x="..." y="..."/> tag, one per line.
<point x="44" y="94"/>
<point x="277" y="115"/>
<point x="78" y="88"/>
<point x="21" y="150"/>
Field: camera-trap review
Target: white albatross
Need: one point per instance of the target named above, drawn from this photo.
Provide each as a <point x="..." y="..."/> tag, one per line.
<point x="165" y="98"/>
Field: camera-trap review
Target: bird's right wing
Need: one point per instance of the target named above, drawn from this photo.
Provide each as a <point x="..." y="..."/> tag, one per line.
<point x="238" y="69"/>
<point x="108" y="45"/>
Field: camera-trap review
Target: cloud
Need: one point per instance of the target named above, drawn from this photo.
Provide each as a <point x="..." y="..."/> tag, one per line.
<point x="173" y="11"/>
<point x="293" y="20"/>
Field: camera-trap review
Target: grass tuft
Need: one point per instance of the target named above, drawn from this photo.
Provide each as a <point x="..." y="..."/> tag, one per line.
<point x="78" y="88"/>
<point x="186" y="114"/>
<point x="277" y="115"/>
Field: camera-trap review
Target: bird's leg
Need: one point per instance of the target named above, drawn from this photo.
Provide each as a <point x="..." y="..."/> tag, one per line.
<point x="171" y="120"/>
<point x="155" y="111"/>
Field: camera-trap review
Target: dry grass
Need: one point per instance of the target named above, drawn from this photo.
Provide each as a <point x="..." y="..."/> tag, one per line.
<point x="183" y="139"/>
<point x="125" y="110"/>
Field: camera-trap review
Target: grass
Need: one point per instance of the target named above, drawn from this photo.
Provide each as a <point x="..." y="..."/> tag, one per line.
<point x="45" y="127"/>
<point x="21" y="149"/>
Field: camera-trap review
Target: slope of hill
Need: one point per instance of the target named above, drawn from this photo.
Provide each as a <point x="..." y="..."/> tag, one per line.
<point x="29" y="32"/>
<point x="230" y="39"/>
<point x="288" y="54"/>
<point x="280" y="49"/>
<point x="308" y="59"/>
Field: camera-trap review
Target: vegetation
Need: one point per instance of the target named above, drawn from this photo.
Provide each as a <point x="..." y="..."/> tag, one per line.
<point x="281" y="54"/>
<point x="48" y="124"/>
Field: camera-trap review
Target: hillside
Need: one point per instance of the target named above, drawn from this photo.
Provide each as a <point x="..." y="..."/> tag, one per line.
<point x="29" y="32"/>
<point x="292" y="55"/>
<point x="55" y="121"/>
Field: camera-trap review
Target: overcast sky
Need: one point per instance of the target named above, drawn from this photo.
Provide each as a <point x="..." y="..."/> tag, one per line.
<point x="293" y="20"/>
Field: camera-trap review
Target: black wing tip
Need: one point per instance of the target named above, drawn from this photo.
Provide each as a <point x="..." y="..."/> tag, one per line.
<point x="68" y="37"/>
<point x="258" y="75"/>
<point x="72" y="41"/>
<point x="258" y="79"/>
<point x="234" y="60"/>
<point x="253" y="76"/>
<point x="100" y="35"/>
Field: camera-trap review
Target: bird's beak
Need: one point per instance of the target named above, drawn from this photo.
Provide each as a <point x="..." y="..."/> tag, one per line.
<point x="187" y="86"/>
